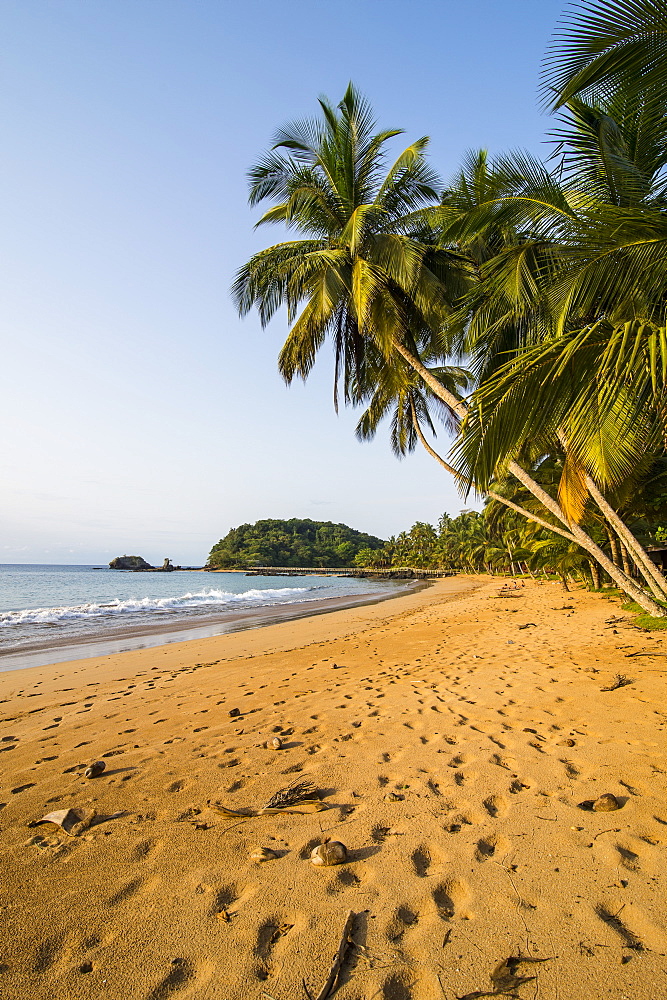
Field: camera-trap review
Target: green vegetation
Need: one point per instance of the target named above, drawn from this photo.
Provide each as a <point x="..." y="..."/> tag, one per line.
<point x="497" y="541"/>
<point x="548" y="281"/>
<point x="646" y="622"/>
<point x="296" y="542"/>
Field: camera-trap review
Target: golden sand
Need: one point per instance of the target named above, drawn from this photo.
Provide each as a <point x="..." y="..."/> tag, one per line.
<point x="451" y="734"/>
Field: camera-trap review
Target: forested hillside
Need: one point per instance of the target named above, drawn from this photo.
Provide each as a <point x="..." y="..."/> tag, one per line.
<point x="296" y="542"/>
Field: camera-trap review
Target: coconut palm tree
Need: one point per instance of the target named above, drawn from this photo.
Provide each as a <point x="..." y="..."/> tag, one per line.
<point x="370" y="269"/>
<point x="573" y="294"/>
<point x="607" y="45"/>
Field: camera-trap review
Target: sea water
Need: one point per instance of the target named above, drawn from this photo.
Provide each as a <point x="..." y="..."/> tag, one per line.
<point x="46" y="608"/>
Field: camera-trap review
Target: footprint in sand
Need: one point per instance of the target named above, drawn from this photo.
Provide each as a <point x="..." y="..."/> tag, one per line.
<point x="129" y="890"/>
<point x="379" y="834"/>
<point x="47" y="953"/>
<point x="181" y="972"/>
<point x="345" y="879"/>
<point x="451" y="898"/>
<point x="458" y="760"/>
<point x="268" y="935"/>
<point x="234" y="762"/>
<point x="22" y="788"/>
<point x="495" y="806"/>
<point x="402" y="919"/>
<point x="223" y="899"/>
<point x="143" y="850"/>
<point x="176" y="786"/>
<point x="505" y="762"/>
<point x="396" y="988"/>
<point x="488" y="847"/>
<point x="628" y="858"/>
<point x="421" y="861"/>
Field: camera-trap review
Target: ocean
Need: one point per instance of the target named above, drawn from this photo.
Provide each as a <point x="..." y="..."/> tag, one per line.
<point x="53" y="613"/>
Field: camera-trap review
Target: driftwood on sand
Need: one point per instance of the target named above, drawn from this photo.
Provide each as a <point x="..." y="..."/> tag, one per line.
<point x="334" y="972"/>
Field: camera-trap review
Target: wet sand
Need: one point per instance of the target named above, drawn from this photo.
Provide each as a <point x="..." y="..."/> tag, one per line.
<point x="451" y="734"/>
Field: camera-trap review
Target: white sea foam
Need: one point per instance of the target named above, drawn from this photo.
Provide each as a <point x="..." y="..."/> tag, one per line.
<point x="209" y="599"/>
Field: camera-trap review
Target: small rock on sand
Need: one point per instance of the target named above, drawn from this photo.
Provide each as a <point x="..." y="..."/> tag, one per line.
<point x="606" y="803"/>
<point x="331" y="852"/>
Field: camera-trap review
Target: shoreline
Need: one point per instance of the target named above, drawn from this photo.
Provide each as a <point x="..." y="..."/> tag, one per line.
<point x="452" y="735"/>
<point x="151" y="636"/>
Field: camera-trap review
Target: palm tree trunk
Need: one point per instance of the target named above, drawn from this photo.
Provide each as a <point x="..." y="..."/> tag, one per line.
<point x="595" y="573"/>
<point x="626" y="583"/>
<point x="644" y="563"/>
<point x="613" y="544"/>
<point x="627" y="568"/>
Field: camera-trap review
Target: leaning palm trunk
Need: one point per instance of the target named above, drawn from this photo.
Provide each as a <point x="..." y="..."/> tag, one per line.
<point x="622" y="580"/>
<point x="628" y="543"/>
<point x="645" y="564"/>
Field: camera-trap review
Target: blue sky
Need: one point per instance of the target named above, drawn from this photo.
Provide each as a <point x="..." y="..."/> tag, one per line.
<point x="139" y="413"/>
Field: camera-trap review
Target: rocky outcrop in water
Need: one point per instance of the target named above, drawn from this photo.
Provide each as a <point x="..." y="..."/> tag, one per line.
<point x="129" y="562"/>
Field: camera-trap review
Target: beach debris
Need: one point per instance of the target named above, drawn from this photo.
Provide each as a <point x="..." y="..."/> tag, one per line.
<point x="345" y="942"/>
<point x="647" y="652"/>
<point x="394" y="797"/>
<point x="274" y="744"/>
<point x="296" y="793"/>
<point x="605" y="803"/>
<point x="94" y="770"/>
<point x="505" y="978"/>
<point x="620" y="681"/>
<point x="234" y="713"/>
<point x="300" y="798"/>
<point x="329" y="852"/>
<point x="72" y="821"/>
<point x="629" y="938"/>
<point x="528" y="625"/>
<point x="230" y="813"/>
<point x="263" y="854"/>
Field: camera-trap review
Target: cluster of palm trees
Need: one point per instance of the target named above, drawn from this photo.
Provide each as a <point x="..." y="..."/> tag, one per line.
<point x="499" y="541"/>
<point x="523" y="304"/>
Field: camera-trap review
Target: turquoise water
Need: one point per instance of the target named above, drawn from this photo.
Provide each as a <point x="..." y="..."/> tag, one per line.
<point x="43" y="607"/>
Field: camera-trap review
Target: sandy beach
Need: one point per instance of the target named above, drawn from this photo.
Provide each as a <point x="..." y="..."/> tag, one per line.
<point x="451" y="734"/>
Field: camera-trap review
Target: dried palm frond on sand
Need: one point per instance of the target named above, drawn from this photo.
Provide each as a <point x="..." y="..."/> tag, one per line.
<point x="301" y="797"/>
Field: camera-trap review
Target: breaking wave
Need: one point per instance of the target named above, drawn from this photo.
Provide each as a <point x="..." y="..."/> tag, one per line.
<point x="204" y="600"/>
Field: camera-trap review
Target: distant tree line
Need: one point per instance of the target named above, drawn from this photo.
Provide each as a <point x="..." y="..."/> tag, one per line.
<point x="500" y="541"/>
<point x="295" y="542"/>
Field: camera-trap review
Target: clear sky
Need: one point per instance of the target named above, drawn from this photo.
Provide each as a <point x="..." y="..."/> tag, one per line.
<point x="139" y="414"/>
